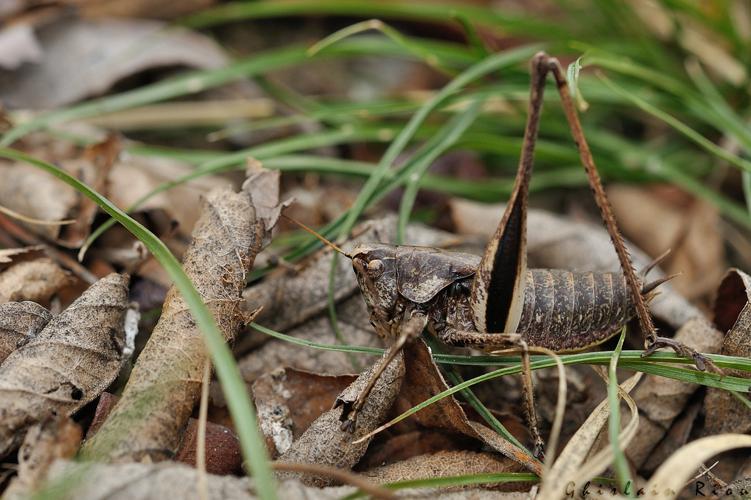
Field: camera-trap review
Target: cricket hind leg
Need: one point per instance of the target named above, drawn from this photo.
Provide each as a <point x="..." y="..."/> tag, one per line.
<point x="651" y="340"/>
<point x="515" y="342"/>
<point x="410" y="330"/>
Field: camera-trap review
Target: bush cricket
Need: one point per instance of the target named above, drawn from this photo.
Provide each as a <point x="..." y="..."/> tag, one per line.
<point x="494" y="300"/>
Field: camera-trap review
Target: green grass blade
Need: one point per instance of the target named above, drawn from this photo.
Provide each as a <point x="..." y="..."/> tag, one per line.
<point x="442" y="141"/>
<point x="486" y="66"/>
<point x="614" y="423"/>
<point x="235" y="391"/>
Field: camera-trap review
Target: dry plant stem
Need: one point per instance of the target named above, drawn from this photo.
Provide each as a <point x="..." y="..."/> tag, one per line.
<point x="337" y="474"/>
<point x="165" y="383"/>
<point x="203" y="410"/>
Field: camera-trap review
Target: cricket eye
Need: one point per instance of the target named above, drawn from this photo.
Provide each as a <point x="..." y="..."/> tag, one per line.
<point x="375" y="267"/>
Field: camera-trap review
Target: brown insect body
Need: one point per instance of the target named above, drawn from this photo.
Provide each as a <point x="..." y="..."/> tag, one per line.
<point x="562" y="310"/>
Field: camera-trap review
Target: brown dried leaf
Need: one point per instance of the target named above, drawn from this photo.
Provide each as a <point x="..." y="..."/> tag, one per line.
<point x="19" y="323"/>
<point x="165" y="382"/>
<point x="558" y="242"/>
<point x="325" y="443"/>
<point x="68" y="364"/>
<point x="95" y="481"/>
<point x="82" y="58"/>
<point x="10" y="256"/>
<point x="661" y="400"/>
<point x="35" y="193"/>
<point x="57" y="437"/>
<point x="288" y="401"/>
<point x="724" y="412"/>
<point x="423" y="381"/>
<point x="443" y="464"/>
<point x="661" y="217"/>
<point x="133" y="176"/>
<point x="36" y="280"/>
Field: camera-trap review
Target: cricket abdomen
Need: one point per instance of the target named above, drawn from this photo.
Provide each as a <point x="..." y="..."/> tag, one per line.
<point x="570" y="311"/>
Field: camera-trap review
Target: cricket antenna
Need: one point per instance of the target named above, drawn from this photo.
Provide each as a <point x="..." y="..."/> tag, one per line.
<point x="317" y="235"/>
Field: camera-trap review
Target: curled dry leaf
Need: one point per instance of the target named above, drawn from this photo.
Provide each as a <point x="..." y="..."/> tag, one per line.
<point x="10" y="256"/>
<point x="20" y="322"/>
<point x="558" y="242"/>
<point x="661" y="400"/>
<point x="57" y="437"/>
<point x="165" y="383"/>
<point x="68" y="364"/>
<point x="37" y="280"/>
<point x="288" y="401"/>
<point x="672" y="476"/>
<point x="724" y="412"/>
<point x="325" y="443"/>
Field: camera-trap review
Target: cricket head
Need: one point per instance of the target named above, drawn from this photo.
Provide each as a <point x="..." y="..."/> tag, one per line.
<point x="375" y="267"/>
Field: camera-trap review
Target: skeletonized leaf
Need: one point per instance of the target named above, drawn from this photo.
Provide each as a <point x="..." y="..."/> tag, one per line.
<point x="671" y="477"/>
<point x="68" y="364"/>
<point x="19" y="323"/>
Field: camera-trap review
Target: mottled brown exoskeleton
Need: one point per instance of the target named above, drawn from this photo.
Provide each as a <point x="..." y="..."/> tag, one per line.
<point x="494" y="300"/>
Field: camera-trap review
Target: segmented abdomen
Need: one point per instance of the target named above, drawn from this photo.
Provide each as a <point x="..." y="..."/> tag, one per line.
<point x="568" y="311"/>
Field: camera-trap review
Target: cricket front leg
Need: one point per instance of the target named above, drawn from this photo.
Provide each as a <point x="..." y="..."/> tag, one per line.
<point x="452" y="336"/>
<point x="410" y="330"/>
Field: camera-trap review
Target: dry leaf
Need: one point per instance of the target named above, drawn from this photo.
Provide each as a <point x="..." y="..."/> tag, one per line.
<point x="663" y="217"/>
<point x="134" y="176"/>
<point x="35" y="193"/>
<point x="57" y="437"/>
<point x="325" y="443"/>
<point x="168" y="480"/>
<point x="68" y="364"/>
<point x="443" y="464"/>
<point x="37" y="280"/>
<point x="84" y="58"/>
<point x="423" y="381"/>
<point x="165" y="382"/>
<point x="288" y="401"/>
<point x="19" y="323"/>
<point x="724" y="412"/>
